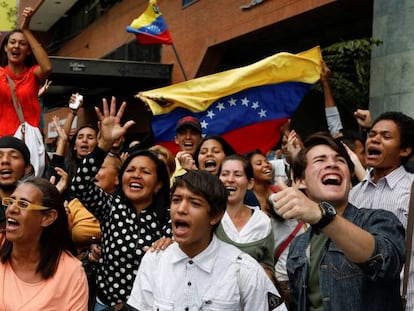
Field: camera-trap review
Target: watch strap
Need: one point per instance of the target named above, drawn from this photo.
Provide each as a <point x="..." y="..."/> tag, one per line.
<point x="326" y="218"/>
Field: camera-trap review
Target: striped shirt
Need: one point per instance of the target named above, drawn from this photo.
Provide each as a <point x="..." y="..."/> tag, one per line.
<point x="391" y="193"/>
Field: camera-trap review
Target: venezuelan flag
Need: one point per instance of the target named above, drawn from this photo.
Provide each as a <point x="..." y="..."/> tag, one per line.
<point x="246" y="106"/>
<point x="150" y="26"/>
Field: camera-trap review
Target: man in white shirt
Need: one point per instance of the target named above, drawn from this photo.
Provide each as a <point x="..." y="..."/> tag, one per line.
<point x="200" y="272"/>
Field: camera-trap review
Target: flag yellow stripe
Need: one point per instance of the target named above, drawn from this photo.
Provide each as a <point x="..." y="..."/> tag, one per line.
<point x="198" y="94"/>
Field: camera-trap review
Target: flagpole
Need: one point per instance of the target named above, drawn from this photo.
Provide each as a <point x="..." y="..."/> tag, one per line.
<point x="179" y="61"/>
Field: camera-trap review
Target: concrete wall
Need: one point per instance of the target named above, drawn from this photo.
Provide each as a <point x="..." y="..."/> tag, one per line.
<point x="392" y="63"/>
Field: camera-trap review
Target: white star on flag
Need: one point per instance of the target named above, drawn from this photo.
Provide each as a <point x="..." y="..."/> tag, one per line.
<point x="232" y="102"/>
<point x="262" y="113"/>
<point x="210" y="114"/>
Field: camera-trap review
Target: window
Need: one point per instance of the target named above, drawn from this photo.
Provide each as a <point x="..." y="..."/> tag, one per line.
<point x="187" y="3"/>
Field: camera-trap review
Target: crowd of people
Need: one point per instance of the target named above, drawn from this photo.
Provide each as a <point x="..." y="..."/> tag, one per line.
<point x="319" y="224"/>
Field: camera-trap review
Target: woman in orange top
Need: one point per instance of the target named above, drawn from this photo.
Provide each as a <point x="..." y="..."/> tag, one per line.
<point x="37" y="272"/>
<point x="23" y="59"/>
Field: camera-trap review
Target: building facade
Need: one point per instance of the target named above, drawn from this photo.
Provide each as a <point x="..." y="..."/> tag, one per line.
<point x="211" y="36"/>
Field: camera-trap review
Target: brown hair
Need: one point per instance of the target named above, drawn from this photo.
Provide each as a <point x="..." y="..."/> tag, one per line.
<point x="320" y="138"/>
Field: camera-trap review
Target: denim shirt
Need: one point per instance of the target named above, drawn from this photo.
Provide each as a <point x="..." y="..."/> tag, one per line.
<point x="344" y="285"/>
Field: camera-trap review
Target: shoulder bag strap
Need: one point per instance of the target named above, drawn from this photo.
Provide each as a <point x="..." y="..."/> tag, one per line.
<point x="289" y="239"/>
<point x="409" y="239"/>
<point x="16" y="104"/>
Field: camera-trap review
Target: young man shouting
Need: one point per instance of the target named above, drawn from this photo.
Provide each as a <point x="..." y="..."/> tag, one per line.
<point x="351" y="258"/>
<point x="200" y="272"/>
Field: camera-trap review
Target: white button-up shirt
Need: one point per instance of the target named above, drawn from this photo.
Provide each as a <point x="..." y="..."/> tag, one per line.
<point x="219" y="278"/>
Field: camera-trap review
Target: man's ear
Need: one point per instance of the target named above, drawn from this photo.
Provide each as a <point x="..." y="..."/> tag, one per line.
<point x="301" y="184"/>
<point x="176" y="140"/>
<point x="49" y="217"/>
<point x="405" y="152"/>
<point x="28" y="169"/>
<point x="216" y="219"/>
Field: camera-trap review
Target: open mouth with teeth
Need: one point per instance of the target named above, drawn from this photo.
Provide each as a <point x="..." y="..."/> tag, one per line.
<point x="267" y="171"/>
<point x="231" y="189"/>
<point x="84" y="148"/>
<point x="5" y="172"/>
<point x="373" y="152"/>
<point x="210" y="165"/>
<point x="180" y="228"/>
<point x="332" y="179"/>
<point x="136" y="186"/>
<point x="12" y="224"/>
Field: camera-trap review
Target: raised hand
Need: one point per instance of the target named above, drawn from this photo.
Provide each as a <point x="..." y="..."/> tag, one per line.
<point x="363" y="118"/>
<point x="62" y="184"/>
<point x="110" y="128"/>
<point x="186" y="160"/>
<point x="325" y="73"/>
<point x="294" y="144"/>
<point x="44" y="88"/>
<point x="292" y="203"/>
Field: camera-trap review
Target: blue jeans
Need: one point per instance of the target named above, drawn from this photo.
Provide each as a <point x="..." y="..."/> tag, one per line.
<point x="99" y="306"/>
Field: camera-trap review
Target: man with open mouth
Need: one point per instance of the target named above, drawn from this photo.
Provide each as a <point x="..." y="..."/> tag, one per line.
<point x="351" y="257"/>
<point x="14" y="165"/>
<point x="387" y="185"/>
<point x="187" y="137"/>
<point x="200" y="272"/>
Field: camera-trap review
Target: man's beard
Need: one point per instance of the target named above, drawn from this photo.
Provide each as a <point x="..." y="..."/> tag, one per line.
<point x="8" y="187"/>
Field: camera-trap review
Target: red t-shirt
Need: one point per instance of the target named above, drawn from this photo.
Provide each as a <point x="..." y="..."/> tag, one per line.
<point x="27" y="88"/>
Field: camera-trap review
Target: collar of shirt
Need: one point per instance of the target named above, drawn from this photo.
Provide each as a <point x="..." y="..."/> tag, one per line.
<point x="391" y="179"/>
<point x="205" y="260"/>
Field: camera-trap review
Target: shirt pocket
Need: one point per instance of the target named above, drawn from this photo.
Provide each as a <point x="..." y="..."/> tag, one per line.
<point x="340" y="267"/>
<point x="161" y="304"/>
<point x="210" y="304"/>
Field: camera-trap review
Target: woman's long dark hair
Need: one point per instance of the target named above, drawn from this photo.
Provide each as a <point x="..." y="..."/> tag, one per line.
<point x="160" y="201"/>
<point x="30" y="59"/>
<point x="55" y="238"/>
<point x="72" y="141"/>
<point x="227" y="148"/>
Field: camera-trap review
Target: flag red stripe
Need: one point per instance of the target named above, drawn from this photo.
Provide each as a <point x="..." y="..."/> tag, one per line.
<point x="262" y="135"/>
<point x="145" y="38"/>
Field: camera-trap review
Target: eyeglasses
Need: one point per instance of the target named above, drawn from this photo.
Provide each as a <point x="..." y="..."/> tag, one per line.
<point x="23" y="204"/>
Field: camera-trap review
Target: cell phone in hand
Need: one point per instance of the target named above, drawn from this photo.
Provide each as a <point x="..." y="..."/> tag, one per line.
<point x="75" y="104"/>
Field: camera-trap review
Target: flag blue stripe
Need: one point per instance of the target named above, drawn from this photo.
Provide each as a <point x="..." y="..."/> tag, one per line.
<point x="257" y="104"/>
<point x="157" y="27"/>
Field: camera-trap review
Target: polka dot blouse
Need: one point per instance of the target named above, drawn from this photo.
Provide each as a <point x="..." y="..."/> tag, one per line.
<point x="124" y="232"/>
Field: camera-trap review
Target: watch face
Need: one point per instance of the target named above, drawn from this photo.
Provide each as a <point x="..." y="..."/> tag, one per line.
<point x="329" y="209"/>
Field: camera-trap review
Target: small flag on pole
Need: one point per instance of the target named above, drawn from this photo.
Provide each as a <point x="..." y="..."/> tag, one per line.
<point x="150" y="26"/>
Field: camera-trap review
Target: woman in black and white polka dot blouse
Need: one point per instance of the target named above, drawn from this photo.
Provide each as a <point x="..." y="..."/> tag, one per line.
<point x="133" y="217"/>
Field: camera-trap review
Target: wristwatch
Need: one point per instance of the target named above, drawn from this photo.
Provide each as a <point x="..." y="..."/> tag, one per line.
<point x="328" y="214"/>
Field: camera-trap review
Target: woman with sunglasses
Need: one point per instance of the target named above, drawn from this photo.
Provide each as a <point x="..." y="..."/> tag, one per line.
<point x="37" y="271"/>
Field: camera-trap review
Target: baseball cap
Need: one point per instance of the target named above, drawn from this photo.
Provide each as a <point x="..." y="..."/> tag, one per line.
<point x="190" y="121"/>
